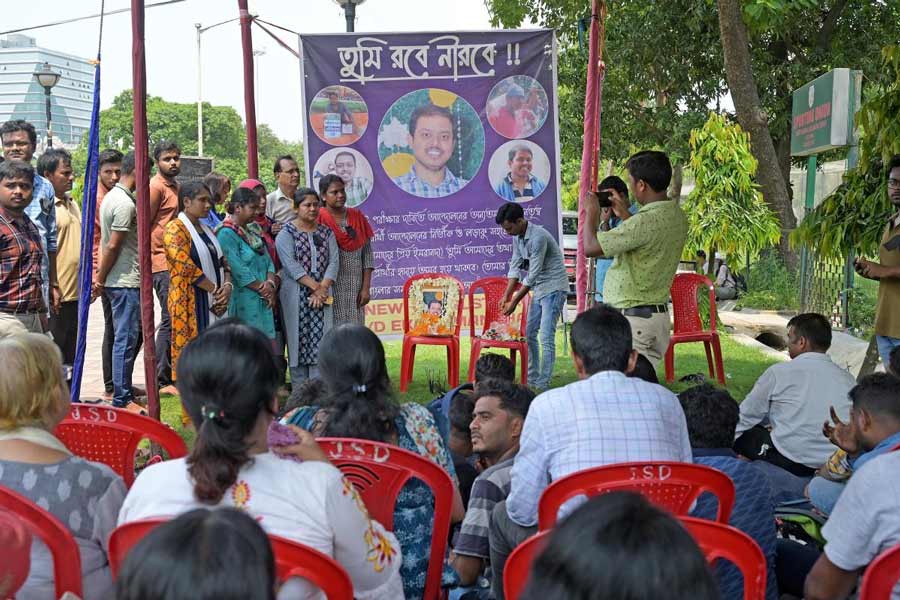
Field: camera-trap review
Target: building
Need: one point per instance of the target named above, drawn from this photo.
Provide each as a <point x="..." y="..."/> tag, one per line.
<point x="22" y="97"/>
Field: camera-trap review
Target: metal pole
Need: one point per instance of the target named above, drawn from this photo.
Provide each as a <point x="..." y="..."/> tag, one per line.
<point x="249" y="96"/>
<point x="199" y="94"/>
<point x="142" y="181"/>
<point x="808" y="206"/>
<point x="49" y="119"/>
<point x="350" y="15"/>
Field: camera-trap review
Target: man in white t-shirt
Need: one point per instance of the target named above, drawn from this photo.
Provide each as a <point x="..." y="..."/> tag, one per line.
<point x="865" y="522"/>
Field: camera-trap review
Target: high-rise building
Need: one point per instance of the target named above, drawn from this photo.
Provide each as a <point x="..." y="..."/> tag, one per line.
<point x="22" y="97"/>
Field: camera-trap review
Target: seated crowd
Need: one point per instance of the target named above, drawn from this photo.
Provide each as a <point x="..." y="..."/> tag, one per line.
<point x="516" y="446"/>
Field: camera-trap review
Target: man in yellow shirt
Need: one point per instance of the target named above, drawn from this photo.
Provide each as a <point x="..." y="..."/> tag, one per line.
<point x="55" y="165"/>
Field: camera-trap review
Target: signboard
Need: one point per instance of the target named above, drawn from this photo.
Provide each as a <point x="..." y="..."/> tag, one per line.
<point x="823" y="110"/>
<point x="429" y="132"/>
<point x="194" y="168"/>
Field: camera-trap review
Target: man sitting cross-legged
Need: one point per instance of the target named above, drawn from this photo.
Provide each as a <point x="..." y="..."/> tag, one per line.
<point x="500" y="411"/>
<point x="712" y="415"/>
<point x="605" y="418"/>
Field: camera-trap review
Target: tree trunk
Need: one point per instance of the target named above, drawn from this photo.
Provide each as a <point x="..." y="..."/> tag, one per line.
<point x="744" y="93"/>
<point x="677" y="181"/>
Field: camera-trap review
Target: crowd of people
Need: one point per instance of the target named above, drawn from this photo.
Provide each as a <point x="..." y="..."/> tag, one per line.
<point x="279" y="283"/>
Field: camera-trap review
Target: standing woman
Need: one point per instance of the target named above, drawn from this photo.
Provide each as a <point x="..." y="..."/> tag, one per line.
<point x="200" y="289"/>
<point x="252" y="270"/>
<point x="354" y="235"/>
<point x="310" y="260"/>
<point x="263" y="225"/>
<point x="219" y="189"/>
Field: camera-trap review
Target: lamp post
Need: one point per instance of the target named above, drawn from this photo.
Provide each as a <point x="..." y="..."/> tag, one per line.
<point x="256" y="54"/>
<point x="201" y="29"/>
<point x="48" y="78"/>
<point x="349" y="7"/>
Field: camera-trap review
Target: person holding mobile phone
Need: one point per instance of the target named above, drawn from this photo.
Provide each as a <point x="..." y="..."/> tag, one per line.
<point x="608" y="220"/>
<point x="645" y="248"/>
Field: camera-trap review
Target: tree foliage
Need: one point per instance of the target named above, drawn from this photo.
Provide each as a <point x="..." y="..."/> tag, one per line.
<point x="224" y="134"/>
<point x="852" y="218"/>
<point x="726" y="211"/>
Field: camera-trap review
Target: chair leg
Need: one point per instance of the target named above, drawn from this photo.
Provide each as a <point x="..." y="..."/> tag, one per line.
<point x="709" y="360"/>
<point x="670" y="363"/>
<point x="404" y="366"/>
<point x="410" y="364"/>
<point x="523" y="376"/>
<point x="473" y="358"/>
<point x="454" y="360"/>
<point x="720" y="367"/>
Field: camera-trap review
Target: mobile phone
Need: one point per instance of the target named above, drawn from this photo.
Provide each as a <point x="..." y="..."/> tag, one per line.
<point x="604" y="198"/>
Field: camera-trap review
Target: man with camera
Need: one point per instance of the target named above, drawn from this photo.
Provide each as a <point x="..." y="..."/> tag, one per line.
<point x="646" y="248"/>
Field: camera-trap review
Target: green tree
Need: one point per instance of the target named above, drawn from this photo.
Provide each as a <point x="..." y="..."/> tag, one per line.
<point x="726" y="211"/>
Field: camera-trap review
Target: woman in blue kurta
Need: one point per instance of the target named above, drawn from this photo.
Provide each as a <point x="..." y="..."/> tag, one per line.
<point x="359" y="404"/>
<point x="252" y="271"/>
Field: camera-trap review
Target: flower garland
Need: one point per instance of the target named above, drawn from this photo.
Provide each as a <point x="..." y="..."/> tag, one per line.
<point x="422" y="321"/>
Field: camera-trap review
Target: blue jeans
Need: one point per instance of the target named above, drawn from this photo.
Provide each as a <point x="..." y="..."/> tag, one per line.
<point x="542" y="317"/>
<point x="126" y="311"/>
<point x="824" y="494"/>
<point x="885" y="345"/>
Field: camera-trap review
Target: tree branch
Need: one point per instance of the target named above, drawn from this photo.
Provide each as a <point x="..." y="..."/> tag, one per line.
<point x="823" y="39"/>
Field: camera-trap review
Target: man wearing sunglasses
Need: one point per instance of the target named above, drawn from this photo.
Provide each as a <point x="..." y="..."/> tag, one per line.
<point x="887" y="271"/>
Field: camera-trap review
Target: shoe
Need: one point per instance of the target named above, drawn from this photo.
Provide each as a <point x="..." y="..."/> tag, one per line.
<point x="169" y="390"/>
<point x="137" y="390"/>
<point x="136" y="409"/>
<point x="140" y="401"/>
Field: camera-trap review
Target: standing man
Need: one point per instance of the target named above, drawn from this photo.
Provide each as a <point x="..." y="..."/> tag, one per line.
<point x="432" y="141"/>
<point x="19" y="142"/>
<point x="119" y="279"/>
<point x="646" y="248"/>
<point x="280" y="203"/>
<point x="887" y="271"/>
<point x="56" y="166"/>
<point x="110" y="171"/>
<point x="520" y="185"/>
<point x="21" y="251"/>
<point x="536" y="254"/>
<point x="609" y="221"/>
<point x="163" y="208"/>
<point x="356" y="188"/>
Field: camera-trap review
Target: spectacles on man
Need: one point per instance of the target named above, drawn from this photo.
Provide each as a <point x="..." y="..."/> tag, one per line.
<point x="16" y="144"/>
<point x="894" y="183"/>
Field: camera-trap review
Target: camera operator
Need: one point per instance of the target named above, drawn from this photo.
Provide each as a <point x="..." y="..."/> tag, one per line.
<point x="646" y="248"/>
<point x="609" y="221"/>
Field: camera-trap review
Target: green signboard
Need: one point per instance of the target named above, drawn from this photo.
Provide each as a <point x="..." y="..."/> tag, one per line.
<point x="823" y="110"/>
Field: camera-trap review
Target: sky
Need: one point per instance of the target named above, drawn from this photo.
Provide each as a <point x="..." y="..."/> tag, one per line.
<point x="171" y="44"/>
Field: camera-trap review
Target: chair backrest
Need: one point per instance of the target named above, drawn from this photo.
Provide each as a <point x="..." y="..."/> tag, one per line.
<point x="378" y="472"/>
<point x="450" y="280"/>
<point x="55" y="535"/>
<point x="493" y="289"/>
<point x="723" y="541"/>
<point x="672" y="485"/>
<point x="518" y="565"/>
<point x="15" y="539"/>
<point x="111" y="436"/>
<point x="685" y="308"/>
<point x="881" y="576"/>
<point x="292" y="559"/>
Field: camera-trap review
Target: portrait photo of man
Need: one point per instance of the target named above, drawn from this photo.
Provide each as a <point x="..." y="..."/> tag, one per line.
<point x="433" y="141"/>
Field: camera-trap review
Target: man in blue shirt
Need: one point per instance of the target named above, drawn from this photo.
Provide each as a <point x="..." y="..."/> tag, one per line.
<point x="520" y="185"/>
<point x="712" y="415"/>
<point x="19" y="141"/>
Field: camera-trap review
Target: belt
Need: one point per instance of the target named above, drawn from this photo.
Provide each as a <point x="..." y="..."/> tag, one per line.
<point x="644" y="309"/>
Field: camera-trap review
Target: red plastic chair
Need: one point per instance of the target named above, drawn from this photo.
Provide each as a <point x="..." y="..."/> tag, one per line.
<point x="291" y="559"/>
<point x="672" y="485"/>
<point x="688" y="326"/>
<point x="493" y="289"/>
<point x="723" y="541"/>
<point x="111" y="436"/>
<point x="378" y="472"/>
<point x="15" y="539"/>
<point x="518" y="565"/>
<point x="881" y="576"/>
<point x="451" y="342"/>
<point x="55" y="535"/>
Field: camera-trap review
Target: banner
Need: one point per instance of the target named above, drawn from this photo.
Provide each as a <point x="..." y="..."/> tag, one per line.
<point x="431" y="133"/>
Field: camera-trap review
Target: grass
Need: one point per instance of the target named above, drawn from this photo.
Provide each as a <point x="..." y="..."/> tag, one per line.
<point x="743" y="366"/>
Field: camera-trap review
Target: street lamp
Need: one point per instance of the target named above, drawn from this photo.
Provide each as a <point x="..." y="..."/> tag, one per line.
<point x="256" y="54"/>
<point x="201" y="29"/>
<point x="48" y="78"/>
<point x="349" y="7"/>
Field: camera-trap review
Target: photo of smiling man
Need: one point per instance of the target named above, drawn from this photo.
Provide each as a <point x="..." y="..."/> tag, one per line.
<point x="352" y="167"/>
<point x="431" y="143"/>
<point x="519" y="171"/>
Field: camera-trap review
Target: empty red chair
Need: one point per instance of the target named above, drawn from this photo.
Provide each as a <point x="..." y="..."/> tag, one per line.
<point x="378" y="472"/>
<point x="881" y="576"/>
<point x="723" y="541"/>
<point x="111" y="436"/>
<point x="291" y="559"/>
<point x="672" y="485"/>
<point x="411" y="340"/>
<point x="518" y="565"/>
<point x="689" y="327"/>
<point x="493" y="289"/>
<point x="55" y="535"/>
